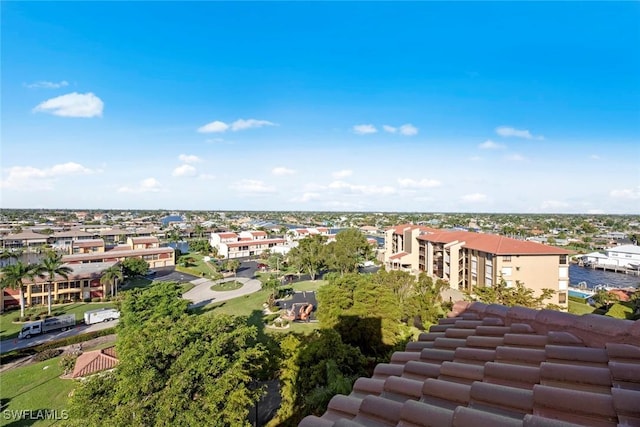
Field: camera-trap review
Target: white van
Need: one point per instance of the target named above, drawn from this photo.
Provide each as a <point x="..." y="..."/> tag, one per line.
<point x="101" y="315"/>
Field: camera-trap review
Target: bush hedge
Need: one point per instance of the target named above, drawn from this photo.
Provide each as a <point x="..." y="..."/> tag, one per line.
<point x="47" y="354"/>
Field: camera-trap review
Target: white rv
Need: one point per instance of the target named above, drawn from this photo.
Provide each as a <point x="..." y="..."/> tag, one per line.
<point x="101" y="315"/>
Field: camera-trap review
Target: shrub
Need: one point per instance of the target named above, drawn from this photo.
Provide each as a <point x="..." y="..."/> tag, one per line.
<point x="67" y="362"/>
<point x="36" y="317"/>
<point x="271" y="318"/>
<point x="86" y="299"/>
<point x="55" y="301"/>
<point x="47" y="354"/>
<point x="95" y="299"/>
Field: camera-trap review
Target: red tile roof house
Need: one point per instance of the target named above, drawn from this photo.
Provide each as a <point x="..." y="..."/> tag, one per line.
<point x="491" y="365"/>
<point x="92" y="362"/>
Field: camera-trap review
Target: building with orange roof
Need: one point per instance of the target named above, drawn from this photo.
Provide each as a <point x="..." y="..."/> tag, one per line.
<point x="92" y="362"/>
<point x="467" y="260"/>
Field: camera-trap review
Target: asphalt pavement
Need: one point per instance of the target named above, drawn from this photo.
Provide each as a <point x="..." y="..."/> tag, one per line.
<point x="15" y="344"/>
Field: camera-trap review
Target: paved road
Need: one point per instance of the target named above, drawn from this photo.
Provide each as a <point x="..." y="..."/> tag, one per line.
<point x="15" y="344"/>
<point x="202" y="294"/>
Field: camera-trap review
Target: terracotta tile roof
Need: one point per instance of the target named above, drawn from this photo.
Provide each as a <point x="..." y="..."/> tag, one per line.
<point x="91" y="362"/>
<point x="258" y="233"/>
<point x="25" y="235"/>
<point x="490" y="365"/>
<point x="71" y="233"/>
<point x="493" y="244"/>
<point x="227" y="235"/>
<point x="398" y="255"/>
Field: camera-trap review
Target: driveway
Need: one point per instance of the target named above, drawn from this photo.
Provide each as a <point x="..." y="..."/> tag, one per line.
<point x="202" y="294"/>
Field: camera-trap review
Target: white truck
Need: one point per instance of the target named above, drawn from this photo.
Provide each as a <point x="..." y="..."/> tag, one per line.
<point x="100" y="315"/>
<point x="50" y="324"/>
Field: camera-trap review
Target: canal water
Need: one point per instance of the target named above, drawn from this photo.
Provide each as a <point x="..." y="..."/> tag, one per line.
<point x="593" y="277"/>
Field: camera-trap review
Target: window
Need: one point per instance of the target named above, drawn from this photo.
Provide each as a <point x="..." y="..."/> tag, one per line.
<point x="509" y="284"/>
<point x="562" y="298"/>
<point x="563" y="285"/>
<point x="563" y="259"/>
<point x="506" y="271"/>
<point x="36" y="289"/>
<point x="563" y="272"/>
<point x="506" y="258"/>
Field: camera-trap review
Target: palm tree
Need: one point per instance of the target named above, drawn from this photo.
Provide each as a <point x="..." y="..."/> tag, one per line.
<point x="111" y="276"/>
<point x="51" y="266"/>
<point x="13" y="276"/>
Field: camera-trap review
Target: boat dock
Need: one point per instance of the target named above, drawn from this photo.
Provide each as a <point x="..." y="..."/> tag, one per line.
<point x="614" y="268"/>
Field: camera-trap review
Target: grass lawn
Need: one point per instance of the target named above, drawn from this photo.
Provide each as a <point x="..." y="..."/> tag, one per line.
<point x="579" y="308"/>
<point x="199" y="268"/>
<point x="309" y="285"/>
<point x="227" y="286"/>
<point x="9" y="330"/>
<point x="34" y="388"/>
<point x="136" y="282"/>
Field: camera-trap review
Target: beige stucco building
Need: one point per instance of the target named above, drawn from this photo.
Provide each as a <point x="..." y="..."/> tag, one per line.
<point x="467" y="260"/>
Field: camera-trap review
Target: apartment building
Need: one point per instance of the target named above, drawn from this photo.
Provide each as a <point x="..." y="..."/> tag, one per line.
<point x="147" y="248"/>
<point x="467" y="260"/>
<point x="244" y="244"/>
<point x="82" y="283"/>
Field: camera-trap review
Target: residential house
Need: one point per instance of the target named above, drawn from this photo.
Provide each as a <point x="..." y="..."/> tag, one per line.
<point x="87" y="246"/>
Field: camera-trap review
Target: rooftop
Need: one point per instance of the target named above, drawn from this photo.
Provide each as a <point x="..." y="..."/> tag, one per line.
<point x="490" y="365"/>
<point x="91" y="362"/>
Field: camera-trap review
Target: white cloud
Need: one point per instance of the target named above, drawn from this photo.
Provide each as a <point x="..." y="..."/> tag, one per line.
<point x="47" y="85"/>
<point x="282" y="171"/>
<point x="626" y="193"/>
<point x="389" y="129"/>
<point x="594" y="157"/>
<point x="474" y="198"/>
<point x="252" y="186"/>
<point x="553" y="204"/>
<point x="214" y="127"/>
<point x="490" y="145"/>
<point x="214" y="140"/>
<point x="147" y="185"/>
<point x="507" y="131"/>
<point x="408" y="130"/>
<point x="364" y="129"/>
<point x="362" y="189"/>
<point x="240" y="124"/>
<point x="72" y="105"/>
<point x="423" y="183"/>
<point x="342" y="174"/>
<point x="184" y="170"/>
<point x="31" y="178"/>
<point x="514" y="157"/>
<point x="189" y="158"/>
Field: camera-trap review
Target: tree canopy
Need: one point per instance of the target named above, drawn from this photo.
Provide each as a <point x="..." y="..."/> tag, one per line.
<point x="175" y="368"/>
<point x="310" y="255"/>
<point x="134" y="267"/>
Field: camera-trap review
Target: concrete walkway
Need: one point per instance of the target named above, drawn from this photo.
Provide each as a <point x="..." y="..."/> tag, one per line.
<point x="201" y="294"/>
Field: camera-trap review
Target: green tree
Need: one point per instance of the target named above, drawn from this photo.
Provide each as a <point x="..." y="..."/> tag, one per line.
<point x="271" y="284"/>
<point x="201" y="246"/>
<point x="50" y="267"/>
<point x="13" y="276"/>
<point x="175" y="369"/>
<point x="348" y="251"/>
<point x="365" y="313"/>
<point x="111" y="276"/>
<point x="604" y="298"/>
<point x="132" y="267"/>
<point x="233" y="265"/>
<point x="310" y="255"/>
<point x="198" y="230"/>
<point x="424" y="304"/>
<point x="275" y="262"/>
<point x="518" y="294"/>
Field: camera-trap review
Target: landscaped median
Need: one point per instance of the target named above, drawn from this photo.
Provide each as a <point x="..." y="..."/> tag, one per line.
<point x="231" y="285"/>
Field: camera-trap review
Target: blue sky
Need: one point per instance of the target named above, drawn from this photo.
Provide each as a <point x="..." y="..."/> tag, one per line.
<point x="420" y="106"/>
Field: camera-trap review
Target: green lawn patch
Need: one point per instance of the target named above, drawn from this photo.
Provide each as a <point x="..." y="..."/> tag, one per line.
<point x="579" y="308"/>
<point x="308" y="285"/>
<point x="35" y="387"/>
<point x="199" y="267"/>
<point x="9" y="330"/>
<point x="227" y="286"/>
<point x="136" y="282"/>
<point x="187" y="286"/>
